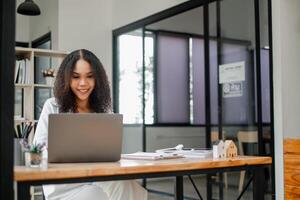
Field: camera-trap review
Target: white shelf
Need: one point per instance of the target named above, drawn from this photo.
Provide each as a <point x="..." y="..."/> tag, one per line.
<point x="29" y="93"/>
<point x="40" y="52"/>
<point x="19" y="121"/>
<point x="33" y="85"/>
<point x="18" y="85"/>
<point x="50" y="53"/>
<point x="43" y="86"/>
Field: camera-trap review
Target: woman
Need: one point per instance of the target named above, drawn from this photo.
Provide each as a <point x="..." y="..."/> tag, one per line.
<point x="82" y="86"/>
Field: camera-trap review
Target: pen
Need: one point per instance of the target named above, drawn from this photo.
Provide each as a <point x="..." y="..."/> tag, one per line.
<point x="19" y="130"/>
<point x="24" y="130"/>
<point x="16" y="134"/>
<point x="29" y="130"/>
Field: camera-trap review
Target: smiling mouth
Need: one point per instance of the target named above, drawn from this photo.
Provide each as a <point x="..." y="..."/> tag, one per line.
<point x="83" y="91"/>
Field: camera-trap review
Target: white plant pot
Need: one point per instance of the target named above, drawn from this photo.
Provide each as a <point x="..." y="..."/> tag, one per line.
<point x="49" y="80"/>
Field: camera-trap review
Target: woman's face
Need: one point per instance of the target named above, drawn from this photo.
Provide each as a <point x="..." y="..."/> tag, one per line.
<point x="82" y="80"/>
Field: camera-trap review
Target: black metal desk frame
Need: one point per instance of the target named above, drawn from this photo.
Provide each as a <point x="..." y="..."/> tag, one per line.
<point x="23" y="187"/>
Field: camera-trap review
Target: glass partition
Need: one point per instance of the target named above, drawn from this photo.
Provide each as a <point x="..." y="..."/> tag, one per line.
<point x="174" y="87"/>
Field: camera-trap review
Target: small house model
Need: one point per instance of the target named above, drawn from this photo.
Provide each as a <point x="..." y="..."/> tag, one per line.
<point x="230" y="149"/>
<point x="219" y="149"/>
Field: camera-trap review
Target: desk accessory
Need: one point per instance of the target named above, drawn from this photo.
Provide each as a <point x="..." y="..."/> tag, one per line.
<point x="33" y="153"/>
<point x="23" y="131"/>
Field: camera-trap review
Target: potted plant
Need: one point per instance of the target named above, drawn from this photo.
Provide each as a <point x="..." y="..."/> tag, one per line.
<point x="49" y="75"/>
<point x="33" y="153"/>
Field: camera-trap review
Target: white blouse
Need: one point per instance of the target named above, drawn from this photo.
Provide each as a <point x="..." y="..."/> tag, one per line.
<point x="109" y="190"/>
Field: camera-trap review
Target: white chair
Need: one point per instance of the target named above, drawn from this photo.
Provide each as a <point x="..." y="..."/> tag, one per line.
<point x="213" y="138"/>
<point x="249" y="137"/>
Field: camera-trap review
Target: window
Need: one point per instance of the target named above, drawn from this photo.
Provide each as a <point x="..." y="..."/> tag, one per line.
<point x="174" y="85"/>
<point x="149" y="78"/>
<point x="130" y="78"/>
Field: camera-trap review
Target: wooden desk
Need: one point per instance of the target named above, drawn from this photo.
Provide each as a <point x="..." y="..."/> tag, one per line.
<point x="134" y="169"/>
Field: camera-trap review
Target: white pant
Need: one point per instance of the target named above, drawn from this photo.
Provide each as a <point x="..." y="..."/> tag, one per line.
<point x="109" y="190"/>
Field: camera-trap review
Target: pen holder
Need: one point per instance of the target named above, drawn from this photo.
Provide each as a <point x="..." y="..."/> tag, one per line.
<point x="49" y="80"/>
<point x="18" y="153"/>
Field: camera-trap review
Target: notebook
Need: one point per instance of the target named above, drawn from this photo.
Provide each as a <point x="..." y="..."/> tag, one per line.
<point x="84" y="137"/>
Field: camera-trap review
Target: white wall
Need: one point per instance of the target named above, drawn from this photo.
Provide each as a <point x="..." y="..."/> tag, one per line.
<point x="290" y="49"/>
<point x="29" y="28"/>
<point x="125" y="12"/>
<point x="286" y="39"/>
<point x="278" y="128"/>
<point x="22" y="25"/>
<point x="45" y="22"/>
<point x="87" y="25"/>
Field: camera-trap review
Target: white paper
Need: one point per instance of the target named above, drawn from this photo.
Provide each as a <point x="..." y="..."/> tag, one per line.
<point x="150" y="156"/>
<point x="232" y="72"/>
<point x="190" y="152"/>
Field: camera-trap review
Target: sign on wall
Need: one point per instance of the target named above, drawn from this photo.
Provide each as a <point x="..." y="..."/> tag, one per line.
<point x="233" y="89"/>
<point x="232" y="72"/>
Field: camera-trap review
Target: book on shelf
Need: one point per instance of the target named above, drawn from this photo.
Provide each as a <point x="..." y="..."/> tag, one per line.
<point x="17" y="66"/>
<point x="22" y="71"/>
<point x="27" y="71"/>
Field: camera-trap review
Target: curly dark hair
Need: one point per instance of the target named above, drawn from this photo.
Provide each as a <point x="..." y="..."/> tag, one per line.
<point x="99" y="100"/>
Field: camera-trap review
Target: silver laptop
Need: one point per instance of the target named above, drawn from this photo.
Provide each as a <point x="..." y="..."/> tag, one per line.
<point x="91" y="137"/>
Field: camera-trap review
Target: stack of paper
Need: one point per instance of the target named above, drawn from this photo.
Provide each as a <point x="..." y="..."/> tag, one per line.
<point x="150" y="156"/>
<point x="196" y="153"/>
<point x="189" y="152"/>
